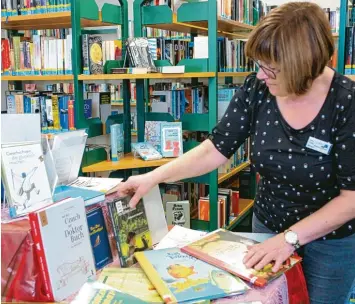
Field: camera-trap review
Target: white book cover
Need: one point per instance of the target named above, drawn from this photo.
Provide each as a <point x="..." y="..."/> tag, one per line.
<point x="178" y="213"/>
<point x="25" y="173"/>
<point x="62" y="239"/>
<point x="179" y="237"/>
<point x="100" y="184"/>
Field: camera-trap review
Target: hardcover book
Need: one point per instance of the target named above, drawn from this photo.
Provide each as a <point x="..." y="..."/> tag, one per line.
<point x="131" y="229"/>
<point x="132" y="281"/>
<point x="171" y="139"/>
<point x="99" y="238"/>
<point x="95" y="55"/>
<point x="61" y="236"/>
<point x="181" y="278"/>
<point x="226" y="250"/>
<point x="25" y="178"/>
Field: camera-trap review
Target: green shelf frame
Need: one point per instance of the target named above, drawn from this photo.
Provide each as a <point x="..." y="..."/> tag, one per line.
<point x="156" y="15"/>
<point x="195" y="11"/>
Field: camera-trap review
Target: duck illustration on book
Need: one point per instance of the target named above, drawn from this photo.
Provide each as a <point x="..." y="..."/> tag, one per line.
<point x="225" y="281"/>
<point x="70" y="269"/>
<point x="23" y="185"/>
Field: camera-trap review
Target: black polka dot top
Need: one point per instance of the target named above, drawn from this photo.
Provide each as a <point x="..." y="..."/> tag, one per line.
<point x="295" y="180"/>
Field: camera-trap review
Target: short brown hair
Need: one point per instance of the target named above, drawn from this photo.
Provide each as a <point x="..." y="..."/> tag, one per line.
<point x="298" y="38"/>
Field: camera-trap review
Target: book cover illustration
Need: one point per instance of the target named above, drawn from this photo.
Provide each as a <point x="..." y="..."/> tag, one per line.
<point x="178" y="213"/>
<point x="26" y="178"/>
<point x="100" y="184"/>
<point x="146" y="151"/>
<point x="171" y="139"/>
<point x="99" y="238"/>
<point x="132" y="281"/>
<point x="95" y="55"/>
<point x="62" y="240"/>
<point x="226" y="250"/>
<point x="181" y="278"/>
<point x="132" y="230"/>
<point x="100" y="293"/>
<point x="152" y="134"/>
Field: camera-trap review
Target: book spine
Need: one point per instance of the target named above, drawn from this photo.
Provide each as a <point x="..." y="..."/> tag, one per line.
<point x="39" y="248"/>
<point x="71" y="116"/>
<point x="55" y="109"/>
<point x="113" y="215"/>
<point x="155" y="278"/>
<point x="85" y="50"/>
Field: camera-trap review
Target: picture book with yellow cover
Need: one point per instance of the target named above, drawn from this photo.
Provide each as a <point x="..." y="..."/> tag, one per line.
<point x="132" y="281"/>
<point x="181" y="278"/>
<point x="226" y="250"/>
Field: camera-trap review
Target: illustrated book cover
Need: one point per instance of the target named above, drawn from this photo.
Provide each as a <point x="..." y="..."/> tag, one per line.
<point x="25" y="178"/>
<point x="100" y="184"/>
<point x="99" y="238"/>
<point x="131" y="229"/>
<point x="226" y="250"/>
<point x="171" y="139"/>
<point x="132" y="281"/>
<point x="61" y="236"/>
<point x="182" y="278"/>
<point x="178" y="213"/>
<point x="100" y="293"/>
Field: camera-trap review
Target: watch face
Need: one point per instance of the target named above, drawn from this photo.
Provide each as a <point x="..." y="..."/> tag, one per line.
<point x="291" y="237"/>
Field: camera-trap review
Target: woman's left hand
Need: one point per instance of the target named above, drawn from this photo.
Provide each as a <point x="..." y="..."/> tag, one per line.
<point x="273" y="249"/>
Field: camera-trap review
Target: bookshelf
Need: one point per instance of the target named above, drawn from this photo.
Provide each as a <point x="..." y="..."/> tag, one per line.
<point x="144" y="76"/>
<point x="224" y="176"/>
<point x="246" y="206"/>
<point x="38" y="78"/>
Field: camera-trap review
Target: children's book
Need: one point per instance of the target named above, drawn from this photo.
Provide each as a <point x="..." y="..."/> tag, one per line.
<point x="25" y="178"/>
<point x="226" y="250"/>
<point x="61" y="236"/>
<point x="152" y="133"/>
<point x="89" y="196"/>
<point x="178" y="213"/>
<point x="146" y="151"/>
<point x="100" y="184"/>
<point x="100" y="293"/>
<point x="171" y="139"/>
<point x="131" y="229"/>
<point x="179" y="237"/>
<point x="132" y="281"/>
<point x="181" y="278"/>
<point x="99" y="238"/>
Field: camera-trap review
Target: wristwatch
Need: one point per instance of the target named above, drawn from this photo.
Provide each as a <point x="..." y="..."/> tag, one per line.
<point x="291" y="238"/>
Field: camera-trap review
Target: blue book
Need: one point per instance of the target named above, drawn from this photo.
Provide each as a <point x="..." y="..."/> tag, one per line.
<point x="99" y="239"/>
<point x="181" y="278"/>
<point x="117" y="142"/>
<point x="88" y="108"/>
<point x="27" y="104"/>
<point x="89" y="196"/>
<point x="63" y="113"/>
<point x="171" y="139"/>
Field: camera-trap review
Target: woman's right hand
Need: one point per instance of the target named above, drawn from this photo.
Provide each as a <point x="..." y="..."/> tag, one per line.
<point x="137" y="186"/>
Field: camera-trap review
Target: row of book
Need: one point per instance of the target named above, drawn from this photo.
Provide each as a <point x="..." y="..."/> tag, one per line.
<point x="159" y="33"/>
<point x="46" y="52"/>
<point x="350" y="51"/>
<point x="30" y="7"/>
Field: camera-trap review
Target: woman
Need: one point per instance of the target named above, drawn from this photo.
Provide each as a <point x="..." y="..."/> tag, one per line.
<point x="300" y="115"/>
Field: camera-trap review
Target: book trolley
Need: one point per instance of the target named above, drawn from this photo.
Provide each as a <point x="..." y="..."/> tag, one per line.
<point x="193" y="17"/>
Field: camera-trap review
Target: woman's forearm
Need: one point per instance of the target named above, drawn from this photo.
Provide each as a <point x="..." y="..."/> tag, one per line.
<point x="330" y="217"/>
<point x="198" y="161"/>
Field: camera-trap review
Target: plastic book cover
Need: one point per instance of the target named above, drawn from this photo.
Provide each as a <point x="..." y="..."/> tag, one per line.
<point x="89" y="196"/>
<point x="132" y="281"/>
<point x="171" y="139"/>
<point x="131" y="229"/>
<point x="61" y="236"/>
<point x="226" y="250"/>
<point x="25" y="176"/>
<point x="99" y="238"/>
<point x="146" y="151"/>
<point x="181" y="278"/>
<point x="99" y="293"/>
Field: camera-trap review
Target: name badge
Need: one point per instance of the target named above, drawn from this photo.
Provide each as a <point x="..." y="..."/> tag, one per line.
<point x="319" y="145"/>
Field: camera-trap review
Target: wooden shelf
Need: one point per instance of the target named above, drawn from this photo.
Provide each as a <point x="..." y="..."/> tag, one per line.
<point x="38" y="78"/>
<point x="145" y="76"/>
<point x="128" y="162"/>
<point x="227" y="28"/>
<point x="352" y="77"/>
<point x="45" y="21"/>
<point x="224" y="176"/>
<point x="245" y="206"/>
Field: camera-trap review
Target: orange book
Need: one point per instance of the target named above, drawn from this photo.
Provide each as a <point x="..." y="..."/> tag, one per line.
<point x="204" y="209"/>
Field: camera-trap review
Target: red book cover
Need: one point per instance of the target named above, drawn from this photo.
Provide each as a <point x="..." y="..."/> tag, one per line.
<point x="5" y="56"/>
<point x="37" y="239"/>
<point x="226" y="250"/>
<point x="235" y="203"/>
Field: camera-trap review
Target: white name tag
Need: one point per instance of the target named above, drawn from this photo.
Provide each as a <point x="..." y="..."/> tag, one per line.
<point x="319" y="145"/>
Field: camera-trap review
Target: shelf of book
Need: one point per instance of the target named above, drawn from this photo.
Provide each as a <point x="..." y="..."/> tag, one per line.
<point x="38" y="78"/>
<point x="352" y="77"/>
<point x="245" y="207"/>
<point x="224" y="176"/>
<point x="45" y="21"/>
<point x="233" y="74"/>
<point x="128" y="162"/>
<point x="144" y="76"/>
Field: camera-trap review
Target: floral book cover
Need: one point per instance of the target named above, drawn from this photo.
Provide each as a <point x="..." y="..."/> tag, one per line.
<point x="226" y="250"/>
<point x="131" y="229"/>
<point x="181" y="278"/>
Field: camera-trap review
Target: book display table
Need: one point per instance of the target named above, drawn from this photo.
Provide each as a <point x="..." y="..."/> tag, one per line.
<point x="21" y="280"/>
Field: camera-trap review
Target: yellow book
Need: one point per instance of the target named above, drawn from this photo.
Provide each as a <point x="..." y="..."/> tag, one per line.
<point x="55" y="109"/>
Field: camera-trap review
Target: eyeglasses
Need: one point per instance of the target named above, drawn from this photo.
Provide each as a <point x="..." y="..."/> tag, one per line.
<point x="271" y="73"/>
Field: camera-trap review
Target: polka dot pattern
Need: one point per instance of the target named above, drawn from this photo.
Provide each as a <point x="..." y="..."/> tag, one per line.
<point x="295" y="181"/>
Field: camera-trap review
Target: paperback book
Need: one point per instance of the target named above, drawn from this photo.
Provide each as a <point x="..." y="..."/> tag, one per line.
<point x="181" y="278"/>
<point x="226" y="250"/>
